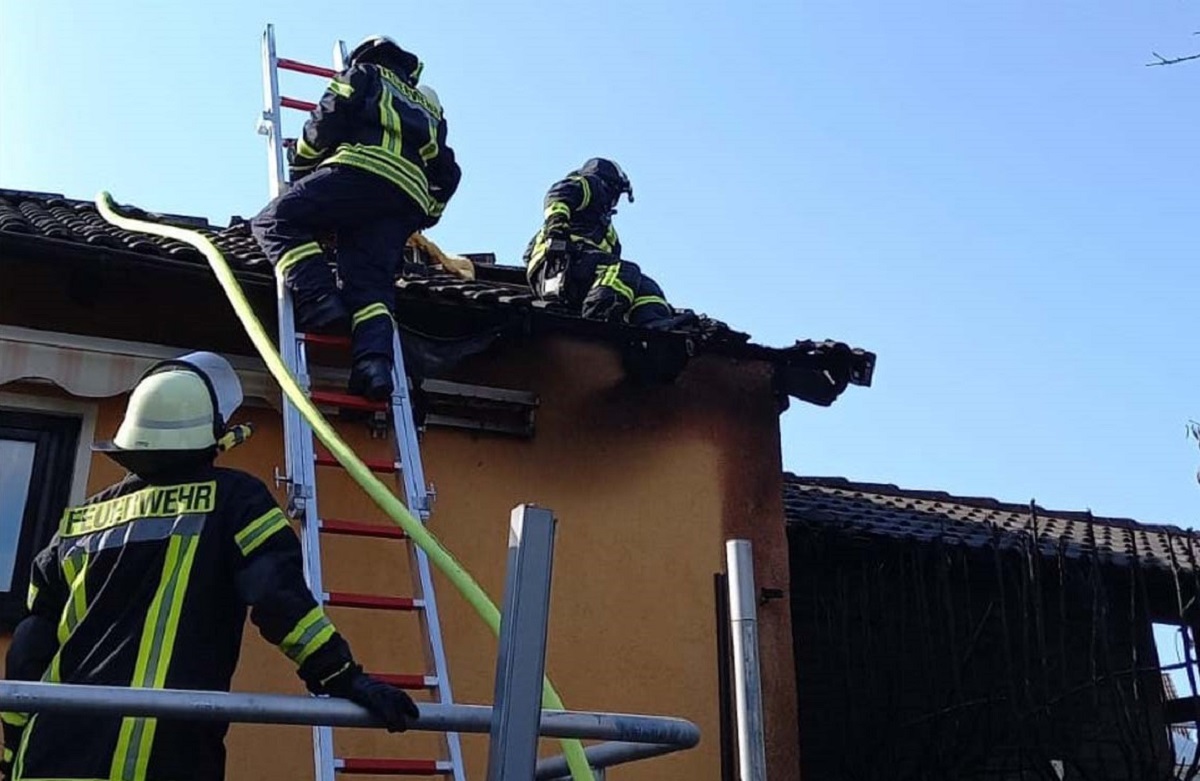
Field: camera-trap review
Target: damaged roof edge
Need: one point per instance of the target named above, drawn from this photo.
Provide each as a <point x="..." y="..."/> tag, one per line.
<point x="49" y="225"/>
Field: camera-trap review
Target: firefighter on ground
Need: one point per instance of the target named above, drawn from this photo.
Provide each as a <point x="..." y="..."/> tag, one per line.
<point x="147" y="585"/>
<point x="371" y="167"/>
<point x="575" y="259"/>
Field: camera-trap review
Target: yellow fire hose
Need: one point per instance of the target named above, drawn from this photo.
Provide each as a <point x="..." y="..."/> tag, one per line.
<point x="379" y="493"/>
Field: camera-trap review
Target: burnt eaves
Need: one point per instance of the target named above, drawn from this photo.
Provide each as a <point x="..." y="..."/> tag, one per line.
<point x="430" y="300"/>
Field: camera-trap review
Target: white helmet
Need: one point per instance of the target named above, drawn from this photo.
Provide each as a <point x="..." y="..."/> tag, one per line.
<point x="179" y="405"/>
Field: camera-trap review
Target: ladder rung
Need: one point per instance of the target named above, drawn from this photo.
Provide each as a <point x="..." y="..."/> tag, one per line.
<point x="304" y="67"/>
<point x="372" y="601"/>
<point x="395" y="767"/>
<point x="359" y="529"/>
<point x="347" y="401"/>
<point x="328" y="340"/>
<point x="407" y="680"/>
<point x="302" y="105"/>
<point x="380" y="466"/>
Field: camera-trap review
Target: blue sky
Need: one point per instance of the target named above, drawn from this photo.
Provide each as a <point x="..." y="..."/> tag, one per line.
<point x="998" y="199"/>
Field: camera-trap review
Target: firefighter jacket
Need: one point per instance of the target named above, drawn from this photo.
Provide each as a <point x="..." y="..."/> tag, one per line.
<point x="372" y="118"/>
<point x="147" y="585"/>
<point x="579" y="208"/>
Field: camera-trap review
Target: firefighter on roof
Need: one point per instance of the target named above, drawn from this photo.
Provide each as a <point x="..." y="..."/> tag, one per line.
<point x="575" y="259"/>
<point x="147" y="585"/>
<point x="371" y="167"/>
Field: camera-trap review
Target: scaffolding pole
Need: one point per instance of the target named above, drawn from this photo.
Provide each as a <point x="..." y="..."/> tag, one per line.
<point x="743" y="615"/>
<point x="521" y="662"/>
<point x="21" y="697"/>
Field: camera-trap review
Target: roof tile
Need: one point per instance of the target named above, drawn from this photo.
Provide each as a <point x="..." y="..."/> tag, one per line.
<point x="883" y="510"/>
<point x="816" y="371"/>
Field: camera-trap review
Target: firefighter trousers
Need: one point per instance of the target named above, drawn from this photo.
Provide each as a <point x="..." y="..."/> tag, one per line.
<point x="370" y="218"/>
<point x="604" y="287"/>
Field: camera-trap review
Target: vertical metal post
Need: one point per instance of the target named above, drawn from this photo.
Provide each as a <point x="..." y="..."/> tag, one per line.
<point x="520" y="666"/>
<point x="743" y="619"/>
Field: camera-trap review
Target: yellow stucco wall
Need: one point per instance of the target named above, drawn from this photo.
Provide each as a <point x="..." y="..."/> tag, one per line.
<point x="647" y="483"/>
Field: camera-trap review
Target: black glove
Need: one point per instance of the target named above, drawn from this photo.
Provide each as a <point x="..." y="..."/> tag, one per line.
<point x="387" y="703"/>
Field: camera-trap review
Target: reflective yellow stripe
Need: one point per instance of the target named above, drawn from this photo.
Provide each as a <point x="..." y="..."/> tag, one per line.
<point x="75" y="572"/>
<point x="154" y="657"/>
<point x="393" y="126"/>
<point x="369" y="311"/>
<point x="17" y="720"/>
<point x="260" y="530"/>
<point x="8" y="754"/>
<point x="558" y="207"/>
<point x="340" y="88"/>
<point x="647" y="300"/>
<point x="611" y="280"/>
<point x="295" y="255"/>
<point x="403" y="166"/>
<point x="19" y="762"/>
<point x="305" y="149"/>
<point x="31" y="596"/>
<point x="587" y="191"/>
<point x="537" y="255"/>
<point x="430" y="150"/>
<point x="309" y="634"/>
<point x="400" y="172"/>
<point x="53" y="673"/>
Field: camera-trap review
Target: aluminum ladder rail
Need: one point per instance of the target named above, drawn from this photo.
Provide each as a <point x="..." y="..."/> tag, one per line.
<point x="302" y="462"/>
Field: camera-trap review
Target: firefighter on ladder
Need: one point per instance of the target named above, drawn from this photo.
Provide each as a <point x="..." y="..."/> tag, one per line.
<point x="147" y="585"/>
<point x="575" y="259"/>
<point x="371" y="167"/>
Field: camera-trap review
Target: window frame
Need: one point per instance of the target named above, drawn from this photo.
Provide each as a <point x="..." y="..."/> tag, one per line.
<point x="63" y="432"/>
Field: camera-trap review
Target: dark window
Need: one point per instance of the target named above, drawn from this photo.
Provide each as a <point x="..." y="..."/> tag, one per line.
<point x="37" y="458"/>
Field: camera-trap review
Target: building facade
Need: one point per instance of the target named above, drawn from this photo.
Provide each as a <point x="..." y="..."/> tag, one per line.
<point x="651" y="448"/>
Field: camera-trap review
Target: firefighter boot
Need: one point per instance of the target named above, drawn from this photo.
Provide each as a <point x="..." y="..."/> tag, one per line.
<point x="372" y="378"/>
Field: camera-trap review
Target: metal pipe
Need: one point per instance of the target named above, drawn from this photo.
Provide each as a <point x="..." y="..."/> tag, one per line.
<point x="743" y="619"/>
<point x="521" y="663"/>
<point x="21" y="697"/>
<point x="601" y="756"/>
